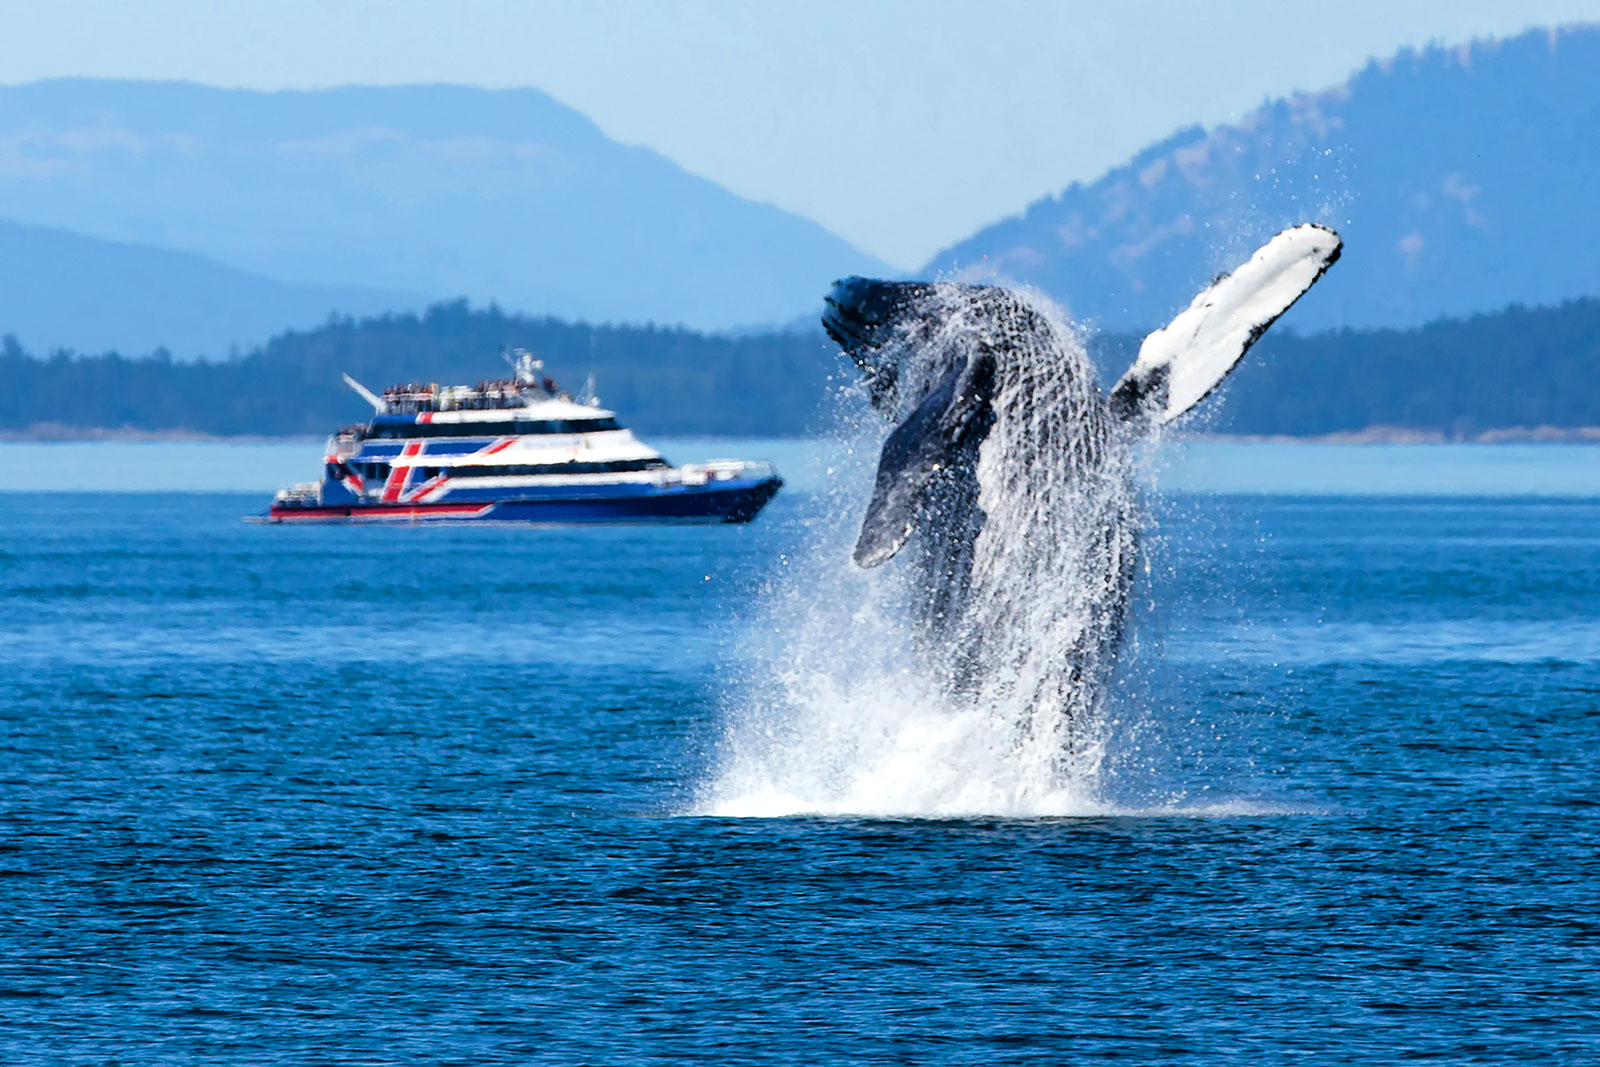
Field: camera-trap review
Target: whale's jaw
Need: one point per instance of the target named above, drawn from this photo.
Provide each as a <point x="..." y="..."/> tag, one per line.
<point x="862" y="313"/>
<point x="869" y="320"/>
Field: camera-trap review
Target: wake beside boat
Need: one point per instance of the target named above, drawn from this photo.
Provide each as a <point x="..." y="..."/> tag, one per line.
<point x="515" y="450"/>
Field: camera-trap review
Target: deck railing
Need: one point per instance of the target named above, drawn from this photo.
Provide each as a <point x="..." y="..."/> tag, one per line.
<point x="716" y="470"/>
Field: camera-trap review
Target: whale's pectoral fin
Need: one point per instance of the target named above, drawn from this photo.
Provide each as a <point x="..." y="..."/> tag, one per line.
<point x="954" y="415"/>
<point x="1180" y="364"/>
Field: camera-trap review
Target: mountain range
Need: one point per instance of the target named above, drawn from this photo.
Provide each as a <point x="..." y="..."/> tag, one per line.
<point x="59" y="289"/>
<point x="1462" y="179"/>
<point x="143" y="214"/>
<point x="438" y="190"/>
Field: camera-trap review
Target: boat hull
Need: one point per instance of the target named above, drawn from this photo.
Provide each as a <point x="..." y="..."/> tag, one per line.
<point x="727" y="502"/>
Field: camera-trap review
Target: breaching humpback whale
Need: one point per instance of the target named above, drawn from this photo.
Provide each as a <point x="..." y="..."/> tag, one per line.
<point x="1008" y="472"/>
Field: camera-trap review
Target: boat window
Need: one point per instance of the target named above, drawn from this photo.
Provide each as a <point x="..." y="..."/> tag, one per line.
<point x="379" y="472"/>
<point x="511" y="428"/>
<point x="515" y="470"/>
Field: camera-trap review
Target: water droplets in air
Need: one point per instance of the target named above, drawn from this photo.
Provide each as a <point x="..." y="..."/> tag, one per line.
<point x="868" y="695"/>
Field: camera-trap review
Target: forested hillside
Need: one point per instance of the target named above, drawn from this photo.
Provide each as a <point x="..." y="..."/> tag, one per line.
<point x="1522" y="367"/>
<point x="1519" y="368"/>
<point x="1462" y="180"/>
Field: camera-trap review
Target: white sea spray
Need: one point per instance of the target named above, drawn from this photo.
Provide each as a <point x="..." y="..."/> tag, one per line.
<point x="855" y="704"/>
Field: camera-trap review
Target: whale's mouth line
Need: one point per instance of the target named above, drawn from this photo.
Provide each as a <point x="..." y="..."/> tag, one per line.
<point x="861" y="313"/>
<point x="850" y="329"/>
<point x="846" y="329"/>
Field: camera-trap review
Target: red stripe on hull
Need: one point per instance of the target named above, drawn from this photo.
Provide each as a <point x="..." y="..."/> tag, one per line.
<point x="426" y="488"/>
<point x="398" y="473"/>
<point x="370" y="513"/>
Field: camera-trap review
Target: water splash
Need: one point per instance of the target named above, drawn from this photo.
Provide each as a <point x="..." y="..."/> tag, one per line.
<point x="857" y="703"/>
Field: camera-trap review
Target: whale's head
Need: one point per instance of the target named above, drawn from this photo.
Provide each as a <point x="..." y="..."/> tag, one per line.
<point x="880" y="326"/>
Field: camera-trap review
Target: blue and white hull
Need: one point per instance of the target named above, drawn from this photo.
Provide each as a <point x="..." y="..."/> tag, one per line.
<point x="734" y="500"/>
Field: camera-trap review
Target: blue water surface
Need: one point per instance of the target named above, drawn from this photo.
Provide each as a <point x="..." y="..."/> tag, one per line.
<point x="343" y="795"/>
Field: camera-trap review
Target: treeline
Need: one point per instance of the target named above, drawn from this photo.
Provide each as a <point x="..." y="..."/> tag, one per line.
<point x="660" y="380"/>
<point x="1517" y="368"/>
<point x="1522" y="367"/>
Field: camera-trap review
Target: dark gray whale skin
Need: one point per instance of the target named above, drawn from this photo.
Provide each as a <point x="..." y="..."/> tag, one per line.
<point x="944" y="407"/>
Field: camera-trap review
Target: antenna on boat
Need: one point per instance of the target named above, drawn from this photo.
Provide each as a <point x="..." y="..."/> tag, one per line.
<point x="588" y="395"/>
<point x="368" y="395"/>
<point x="525" y="365"/>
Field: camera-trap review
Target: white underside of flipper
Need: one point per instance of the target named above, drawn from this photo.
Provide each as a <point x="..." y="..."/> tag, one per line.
<point x="1184" y="361"/>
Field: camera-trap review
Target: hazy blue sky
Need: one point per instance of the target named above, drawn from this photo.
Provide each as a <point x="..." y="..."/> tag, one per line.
<point x="899" y="125"/>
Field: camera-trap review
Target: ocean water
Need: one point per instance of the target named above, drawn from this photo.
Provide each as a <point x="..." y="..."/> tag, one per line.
<point x="459" y="794"/>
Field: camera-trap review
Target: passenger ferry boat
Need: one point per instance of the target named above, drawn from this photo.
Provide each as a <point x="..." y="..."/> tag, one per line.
<point x="515" y="450"/>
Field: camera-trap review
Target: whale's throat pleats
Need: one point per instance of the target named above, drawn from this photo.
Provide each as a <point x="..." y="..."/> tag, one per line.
<point x="1053" y="560"/>
<point x="1006" y="488"/>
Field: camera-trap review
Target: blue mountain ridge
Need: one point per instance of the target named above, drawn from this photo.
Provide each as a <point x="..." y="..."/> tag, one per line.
<point x="497" y="195"/>
<point x="1462" y="180"/>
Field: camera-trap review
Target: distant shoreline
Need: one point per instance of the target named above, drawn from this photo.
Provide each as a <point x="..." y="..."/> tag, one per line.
<point x="51" y="433"/>
<point x="1401" y="435"/>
